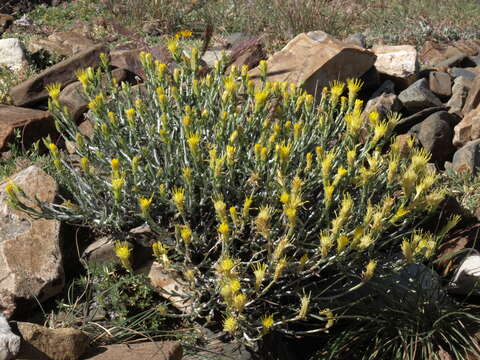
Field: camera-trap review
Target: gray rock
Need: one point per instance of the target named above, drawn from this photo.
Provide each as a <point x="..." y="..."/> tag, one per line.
<point x="435" y="133"/>
<point x="473" y="98"/>
<point x="440" y="83"/>
<point x="406" y="123"/>
<point x="467" y="276"/>
<point x="475" y="60"/>
<point x="12" y="54"/>
<point x="387" y="87"/>
<point x="452" y="61"/>
<point x="456" y="72"/>
<point x="461" y="87"/>
<point x="418" y="97"/>
<point x="467" y="158"/>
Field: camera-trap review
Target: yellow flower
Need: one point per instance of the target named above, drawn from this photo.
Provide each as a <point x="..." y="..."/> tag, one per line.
<point x="262" y="220"/>
<point x="54" y="90"/>
<point x="279" y="268"/>
<point x="263" y="67"/>
<point x="53" y="150"/>
<point x="326" y="244"/>
<point x="283" y="152"/>
<point x="159" y="249"/>
<point x="326" y="164"/>
<point x="145" y="205"/>
<point x="342" y="242"/>
<point x="259" y="270"/>
<point x="369" y="270"/>
<point x="407" y="251"/>
<point x="329" y="317"/>
<point x="354" y="86"/>
<point x="122" y="251"/>
<point x="267" y="323"/>
<point x="186" y="234"/>
<point x="336" y="91"/>
<point x="117" y="185"/>
<point x="187" y="175"/>
<point x="226" y="265"/>
<point x="230" y="154"/>
<point x="115" y="163"/>
<point x="374" y="117"/>
<point x="178" y="198"/>
<point x="284" y="198"/>
<point x="230" y="324"/>
<point x="291" y="214"/>
<point x="260" y="99"/>
<point x="223" y="229"/>
<point x="220" y="210"/>
<point x="233" y="214"/>
<point x="172" y="46"/>
<point x="193" y="141"/>
<point x="130" y="113"/>
<point x="328" y="190"/>
<point x="183" y="33"/>
<point x="239" y="302"/>
<point x="246" y="206"/>
<point x="308" y="159"/>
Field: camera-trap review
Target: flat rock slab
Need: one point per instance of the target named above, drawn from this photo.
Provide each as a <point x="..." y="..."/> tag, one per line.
<point x="64" y="43"/>
<point x="33" y="124"/>
<point x="30" y="252"/>
<point x="160" y="350"/>
<point x="41" y="343"/>
<point x="33" y="90"/>
<point x="313" y="62"/>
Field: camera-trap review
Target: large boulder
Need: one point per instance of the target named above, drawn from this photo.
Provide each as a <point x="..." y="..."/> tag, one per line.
<point x="30" y="251"/>
<point x="33" y="125"/>
<point x="33" y="90"/>
<point x="41" y="343"/>
<point x="12" y="54"/>
<point x="313" y="60"/>
<point x="467" y="129"/>
<point x="398" y="63"/>
<point x="418" y="97"/>
<point x="435" y="134"/>
<point x="467" y="158"/>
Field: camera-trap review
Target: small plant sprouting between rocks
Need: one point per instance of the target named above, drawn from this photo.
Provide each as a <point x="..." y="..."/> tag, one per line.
<point x="270" y="206"/>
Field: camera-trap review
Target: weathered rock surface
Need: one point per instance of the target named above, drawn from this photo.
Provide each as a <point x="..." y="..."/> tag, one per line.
<point x="41" y="343"/>
<point x="467" y="129"/>
<point x="468" y="74"/>
<point x="418" y="97"/>
<point x="467" y="158"/>
<point x="159" y="350"/>
<point x="33" y="90"/>
<point x="12" y="54"/>
<point x="130" y="60"/>
<point x="65" y="43"/>
<point x="34" y="124"/>
<point x="433" y="53"/>
<point x="460" y="89"/>
<point x="398" y="63"/>
<point x="406" y="123"/>
<point x="440" y="83"/>
<point x="435" y="134"/>
<point x="313" y="60"/>
<point x="101" y="251"/>
<point x="30" y="250"/>
<point x="473" y="98"/>
<point x="9" y="342"/>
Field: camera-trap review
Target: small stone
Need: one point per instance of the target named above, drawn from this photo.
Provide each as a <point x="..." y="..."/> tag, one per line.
<point x="157" y="350"/>
<point x="12" y="54"/>
<point x="398" y="63"/>
<point x="418" y="97"/>
<point x="33" y="125"/>
<point x="56" y="344"/>
<point x="473" y="98"/>
<point x="467" y="129"/>
<point x="457" y="72"/>
<point x="435" y="134"/>
<point x="440" y="83"/>
<point x="461" y="87"/>
<point x="312" y="60"/>
<point x="467" y="158"/>
<point x="9" y="342"/>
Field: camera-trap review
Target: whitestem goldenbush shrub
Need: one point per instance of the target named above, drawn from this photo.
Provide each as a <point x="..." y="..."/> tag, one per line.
<point x="269" y="205"/>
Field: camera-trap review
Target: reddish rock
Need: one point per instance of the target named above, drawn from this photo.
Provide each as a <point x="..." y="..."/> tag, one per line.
<point x="473" y="98"/>
<point x="314" y="60"/>
<point x="467" y="129"/>
<point x="5" y="22"/>
<point x="433" y="53"/>
<point x="467" y="158"/>
<point x="158" y="350"/>
<point x="33" y="90"/>
<point x="440" y="83"/>
<point x="41" y="343"/>
<point x="33" y="125"/>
